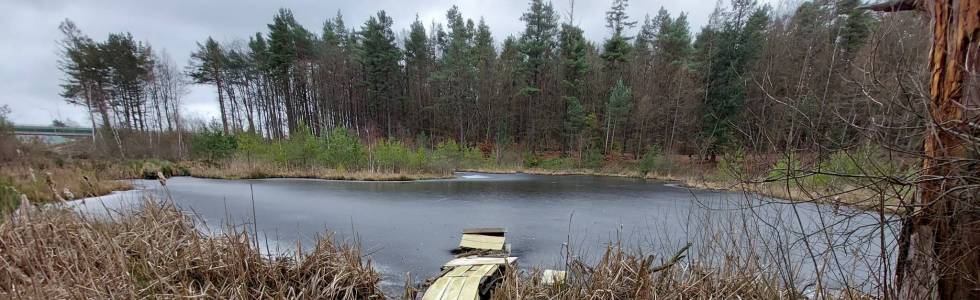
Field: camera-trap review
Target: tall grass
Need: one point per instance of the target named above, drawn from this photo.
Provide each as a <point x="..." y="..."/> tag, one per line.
<point x="156" y="252"/>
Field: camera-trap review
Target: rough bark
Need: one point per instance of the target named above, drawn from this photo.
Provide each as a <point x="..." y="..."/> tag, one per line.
<point x="939" y="248"/>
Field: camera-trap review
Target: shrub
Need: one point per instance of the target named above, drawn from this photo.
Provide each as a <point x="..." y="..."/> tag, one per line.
<point x="391" y="156"/>
<point x="447" y="150"/>
<point x="865" y="160"/>
<point x="418" y="160"/>
<point x="732" y="166"/>
<point x="558" y="163"/>
<point x="472" y="157"/>
<point x="592" y="158"/>
<point x="531" y="160"/>
<point x="786" y="168"/>
<point x="652" y="160"/>
<point x="342" y="150"/>
<point x="302" y="148"/>
<point x="149" y="168"/>
<point x="253" y="146"/>
<point x="212" y="145"/>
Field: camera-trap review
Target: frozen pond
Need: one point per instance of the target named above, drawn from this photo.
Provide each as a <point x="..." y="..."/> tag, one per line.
<point x="412" y="226"/>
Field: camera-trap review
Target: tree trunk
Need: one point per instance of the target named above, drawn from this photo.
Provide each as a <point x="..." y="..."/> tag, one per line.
<point x="938" y="247"/>
<point x="219" y="84"/>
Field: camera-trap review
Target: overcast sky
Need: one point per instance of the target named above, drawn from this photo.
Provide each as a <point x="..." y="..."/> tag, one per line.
<point x="30" y="78"/>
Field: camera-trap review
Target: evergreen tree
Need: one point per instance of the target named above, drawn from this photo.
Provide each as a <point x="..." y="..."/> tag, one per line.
<point x="207" y="67"/>
<point x="281" y="60"/>
<point x="419" y="61"/>
<point x="735" y="45"/>
<point x="486" y="65"/>
<point x="458" y="74"/>
<point x="537" y="45"/>
<point x="856" y="26"/>
<point x="574" y="65"/>
<point x="617" y="108"/>
<point x="88" y="76"/>
<point x="616" y="49"/>
<point x="379" y="57"/>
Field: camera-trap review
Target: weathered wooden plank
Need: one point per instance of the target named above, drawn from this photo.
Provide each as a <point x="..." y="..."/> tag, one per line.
<point x="477" y="241"/>
<point x="469" y="261"/>
<point x="438" y="289"/>
<point x="471" y="288"/>
<point x="495" y="231"/>
<point x="458" y="271"/>
<point x="454" y="289"/>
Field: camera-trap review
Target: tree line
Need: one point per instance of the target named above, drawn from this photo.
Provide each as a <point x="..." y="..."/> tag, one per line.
<point x="751" y="78"/>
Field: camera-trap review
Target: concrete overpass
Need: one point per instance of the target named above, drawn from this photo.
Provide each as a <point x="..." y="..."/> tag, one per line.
<point x="52" y="134"/>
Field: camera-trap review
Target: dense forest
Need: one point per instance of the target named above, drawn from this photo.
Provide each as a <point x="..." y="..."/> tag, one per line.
<point x="754" y="78"/>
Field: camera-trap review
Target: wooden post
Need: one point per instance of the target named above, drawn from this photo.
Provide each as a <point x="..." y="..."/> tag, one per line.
<point x="939" y="246"/>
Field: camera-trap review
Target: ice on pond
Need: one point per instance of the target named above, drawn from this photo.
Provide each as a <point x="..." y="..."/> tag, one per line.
<point x="475" y="176"/>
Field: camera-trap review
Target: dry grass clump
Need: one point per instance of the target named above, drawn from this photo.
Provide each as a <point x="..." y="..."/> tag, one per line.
<point x="623" y="274"/>
<point x="256" y="170"/>
<point x="46" y="183"/>
<point x="156" y="252"/>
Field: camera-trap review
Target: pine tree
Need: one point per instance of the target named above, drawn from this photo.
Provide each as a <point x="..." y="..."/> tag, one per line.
<point x="281" y="60"/>
<point x="537" y="46"/>
<point x="574" y="65"/>
<point x="419" y="61"/>
<point x="616" y="50"/>
<point x="856" y="26"/>
<point x="379" y="57"/>
<point x="458" y="73"/>
<point x="207" y="67"/>
<point x="617" y="108"/>
<point x="486" y="65"/>
<point x="87" y="73"/>
<point x="734" y="46"/>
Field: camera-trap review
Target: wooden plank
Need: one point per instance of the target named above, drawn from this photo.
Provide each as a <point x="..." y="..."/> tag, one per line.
<point x="469" y="261"/>
<point x="454" y="288"/>
<point x="486" y="242"/>
<point x="437" y="290"/>
<point x="471" y="288"/>
<point x="458" y="271"/>
<point x="484" y="270"/>
<point x="495" y="231"/>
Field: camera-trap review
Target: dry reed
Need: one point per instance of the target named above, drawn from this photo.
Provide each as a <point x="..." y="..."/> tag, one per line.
<point x="624" y="274"/>
<point x="157" y="252"/>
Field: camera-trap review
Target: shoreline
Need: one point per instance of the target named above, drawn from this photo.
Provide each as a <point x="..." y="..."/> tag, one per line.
<point x="776" y="190"/>
<point x="857" y="198"/>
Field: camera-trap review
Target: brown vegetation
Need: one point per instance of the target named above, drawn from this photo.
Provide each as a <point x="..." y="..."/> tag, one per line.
<point x="241" y="170"/>
<point x="55" y="253"/>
